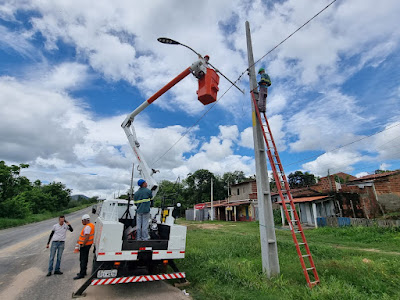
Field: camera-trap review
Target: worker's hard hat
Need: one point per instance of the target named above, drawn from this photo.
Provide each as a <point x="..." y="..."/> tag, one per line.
<point x="260" y="70"/>
<point x="140" y="182"/>
<point x="206" y="57"/>
<point x="85" y="217"/>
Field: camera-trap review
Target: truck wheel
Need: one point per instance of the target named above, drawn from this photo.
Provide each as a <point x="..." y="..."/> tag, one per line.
<point x="95" y="265"/>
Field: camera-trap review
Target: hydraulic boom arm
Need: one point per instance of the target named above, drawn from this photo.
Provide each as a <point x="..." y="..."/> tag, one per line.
<point x="129" y="129"/>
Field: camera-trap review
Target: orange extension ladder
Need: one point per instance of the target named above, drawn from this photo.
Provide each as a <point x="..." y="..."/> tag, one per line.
<point x="287" y="202"/>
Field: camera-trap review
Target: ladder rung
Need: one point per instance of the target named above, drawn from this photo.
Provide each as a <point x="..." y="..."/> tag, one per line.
<point x="271" y="241"/>
<point x="293" y="221"/>
<point x="302" y="243"/>
<point x="306" y="255"/>
<point x="312" y="268"/>
<point x="297" y="231"/>
<point x="314" y="282"/>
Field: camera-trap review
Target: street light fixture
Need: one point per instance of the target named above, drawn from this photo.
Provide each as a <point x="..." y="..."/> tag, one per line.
<point x="169" y="41"/>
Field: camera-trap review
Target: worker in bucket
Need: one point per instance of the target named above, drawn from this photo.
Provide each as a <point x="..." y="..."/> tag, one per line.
<point x="142" y="200"/>
<point x="57" y="236"/>
<point x="85" y="241"/>
<point x="264" y="83"/>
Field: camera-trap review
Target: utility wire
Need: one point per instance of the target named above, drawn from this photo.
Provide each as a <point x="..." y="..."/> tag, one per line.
<point x="288" y="37"/>
<point x="337" y="148"/>
<point x="194" y="124"/>
<point x="244" y="72"/>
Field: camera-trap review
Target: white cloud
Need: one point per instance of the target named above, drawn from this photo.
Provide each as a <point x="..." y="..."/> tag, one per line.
<point x="246" y="138"/>
<point x="361" y="174"/>
<point x="17" y="41"/>
<point x="37" y="123"/>
<point x="63" y="142"/>
<point x="338" y="161"/>
<point x="387" y="143"/>
<point x="384" y="166"/>
<point x="326" y="123"/>
<point x="229" y="132"/>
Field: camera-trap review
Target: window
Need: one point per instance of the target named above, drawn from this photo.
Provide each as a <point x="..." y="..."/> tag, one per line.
<point x="238" y="192"/>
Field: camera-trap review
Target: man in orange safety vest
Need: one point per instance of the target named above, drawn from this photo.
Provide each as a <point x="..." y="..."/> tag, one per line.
<point x="85" y="241"/>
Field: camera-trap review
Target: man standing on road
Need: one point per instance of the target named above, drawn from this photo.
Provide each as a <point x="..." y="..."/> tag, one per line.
<point x="58" y="233"/>
<point x="85" y="242"/>
<point x="142" y="200"/>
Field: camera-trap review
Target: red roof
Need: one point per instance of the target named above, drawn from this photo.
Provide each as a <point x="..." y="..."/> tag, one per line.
<point x="375" y="176"/>
<point x="305" y="199"/>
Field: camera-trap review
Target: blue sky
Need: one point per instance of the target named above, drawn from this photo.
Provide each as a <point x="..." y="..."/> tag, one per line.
<point x="70" y="71"/>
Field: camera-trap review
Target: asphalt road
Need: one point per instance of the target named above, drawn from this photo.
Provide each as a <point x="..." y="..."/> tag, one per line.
<point x="24" y="262"/>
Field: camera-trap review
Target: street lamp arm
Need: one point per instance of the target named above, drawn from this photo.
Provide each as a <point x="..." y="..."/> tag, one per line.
<point x="169" y="41"/>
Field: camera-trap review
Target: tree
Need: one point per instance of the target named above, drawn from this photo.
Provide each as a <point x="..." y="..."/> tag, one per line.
<point x="170" y="193"/>
<point x="59" y="193"/>
<point x="300" y="179"/>
<point x="381" y="171"/>
<point x="198" y="186"/>
<point x="11" y="183"/>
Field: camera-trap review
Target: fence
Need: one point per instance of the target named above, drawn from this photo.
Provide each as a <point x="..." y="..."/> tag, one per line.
<point x="341" y="222"/>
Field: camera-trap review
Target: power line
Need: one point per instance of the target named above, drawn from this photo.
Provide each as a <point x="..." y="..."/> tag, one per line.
<point x="337" y="148"/>
<point x="289" y="36"/>
<point x="194" y="124"/>
<point x="206" y="112"/>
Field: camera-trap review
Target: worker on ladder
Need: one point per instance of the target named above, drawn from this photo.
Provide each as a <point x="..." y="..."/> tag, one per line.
<point x="264" y="83"/>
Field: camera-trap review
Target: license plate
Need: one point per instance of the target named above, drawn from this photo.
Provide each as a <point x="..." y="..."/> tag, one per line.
<point x="107" y="273"/>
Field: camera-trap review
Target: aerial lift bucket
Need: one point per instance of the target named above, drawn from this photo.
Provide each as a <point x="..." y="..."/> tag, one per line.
<point x="208" y="87"/>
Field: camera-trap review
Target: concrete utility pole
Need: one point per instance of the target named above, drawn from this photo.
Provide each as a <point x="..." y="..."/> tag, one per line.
<point x="212" y="200"/>
<point x="269" y="249"/>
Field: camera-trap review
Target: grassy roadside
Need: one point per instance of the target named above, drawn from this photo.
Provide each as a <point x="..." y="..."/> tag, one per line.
<point x="223" y="262"/>
<point x="8" y="223"/>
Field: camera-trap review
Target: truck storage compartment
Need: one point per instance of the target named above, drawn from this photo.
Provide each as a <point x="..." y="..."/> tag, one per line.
<point x="136" y="245"/>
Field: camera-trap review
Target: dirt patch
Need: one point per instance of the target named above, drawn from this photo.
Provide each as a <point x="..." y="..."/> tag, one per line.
<point x="368" y="250"/>
<point x="366" y="260"/>
<point x="20" y="283"/>
<point x="209" y="226"/>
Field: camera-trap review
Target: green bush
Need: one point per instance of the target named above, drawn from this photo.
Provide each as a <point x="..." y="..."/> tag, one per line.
<point x="16" y="207"/>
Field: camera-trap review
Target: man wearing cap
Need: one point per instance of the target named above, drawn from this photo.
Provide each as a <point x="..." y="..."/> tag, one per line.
<point x="142" y="200"/>
<point x="85" y="242"/>
<point x="264" y="83"/>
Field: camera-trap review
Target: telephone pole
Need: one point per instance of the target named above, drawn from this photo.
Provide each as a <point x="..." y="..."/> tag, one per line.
<point x="212" y="200"/>
<point x="269" y="249"/>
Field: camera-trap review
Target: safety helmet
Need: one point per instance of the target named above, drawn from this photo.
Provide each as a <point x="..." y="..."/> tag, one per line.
<point x="85" y="217"/>
<point x="140" y="182"/>
<point x="260" y="70"/>
<point x="206" y="57"/>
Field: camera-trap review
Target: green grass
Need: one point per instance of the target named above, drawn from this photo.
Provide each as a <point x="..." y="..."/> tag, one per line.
<point x="7" y="223"/>
<point x="225" y="263"/>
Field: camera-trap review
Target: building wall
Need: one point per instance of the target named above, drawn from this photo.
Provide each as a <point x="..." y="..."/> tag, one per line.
<point x="388" y="192"/>
<point x="345" y="208"/>
<point x="327" y="184"/>
<point x="243" y="191"/>
<point x="369" y="203"/>
<point x="241" y="211"/>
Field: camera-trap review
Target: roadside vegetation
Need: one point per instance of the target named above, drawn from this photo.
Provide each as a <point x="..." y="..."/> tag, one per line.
<point x="223" y="261"/>
<point x="23" y="201"/>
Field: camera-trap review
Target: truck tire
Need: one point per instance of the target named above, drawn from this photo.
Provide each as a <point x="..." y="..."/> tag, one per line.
<point x="95" y="264"/>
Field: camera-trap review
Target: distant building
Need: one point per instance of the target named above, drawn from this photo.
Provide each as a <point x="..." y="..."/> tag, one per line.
<point x="379" y="193"/>
<point x="339" y="194"/>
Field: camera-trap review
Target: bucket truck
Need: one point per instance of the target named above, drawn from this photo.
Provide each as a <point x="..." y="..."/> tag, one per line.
<point x="118" y="256"/>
